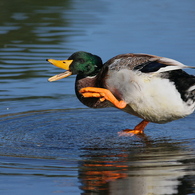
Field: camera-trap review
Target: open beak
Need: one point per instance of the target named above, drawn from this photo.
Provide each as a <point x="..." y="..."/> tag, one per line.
<point x="64" y="64"/>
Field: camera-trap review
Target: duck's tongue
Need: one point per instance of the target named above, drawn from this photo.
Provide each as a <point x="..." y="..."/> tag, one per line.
<point x="64" y="64"/>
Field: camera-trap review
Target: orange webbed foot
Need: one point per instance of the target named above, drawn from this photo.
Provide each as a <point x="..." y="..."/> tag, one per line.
<point x="138" y="130"/>
<point x="103" y="94"/>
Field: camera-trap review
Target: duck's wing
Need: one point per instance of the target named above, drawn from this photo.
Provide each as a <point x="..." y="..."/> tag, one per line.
<point x="144" y="63"/>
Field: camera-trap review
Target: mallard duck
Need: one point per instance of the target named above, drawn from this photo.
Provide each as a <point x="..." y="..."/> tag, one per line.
<point x="153" y="88"/>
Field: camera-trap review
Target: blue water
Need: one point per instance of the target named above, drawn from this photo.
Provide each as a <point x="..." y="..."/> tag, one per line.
<point x="52" y="144"/>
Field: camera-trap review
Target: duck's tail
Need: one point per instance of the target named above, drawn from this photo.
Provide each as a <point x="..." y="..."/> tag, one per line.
<point x="192" y="67"/>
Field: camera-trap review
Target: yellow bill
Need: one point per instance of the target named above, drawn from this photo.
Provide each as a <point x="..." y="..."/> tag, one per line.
<point x="64" y="64"/>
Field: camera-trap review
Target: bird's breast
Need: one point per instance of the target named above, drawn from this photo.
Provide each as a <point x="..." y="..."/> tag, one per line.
<point x="92" y="102"/>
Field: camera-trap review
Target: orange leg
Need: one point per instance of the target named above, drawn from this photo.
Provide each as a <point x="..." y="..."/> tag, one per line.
<point x="138" y="129"/>
<point x="103" y="94"/>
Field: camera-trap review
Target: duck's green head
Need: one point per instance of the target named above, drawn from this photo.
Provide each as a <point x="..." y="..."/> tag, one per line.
<point x="80" y="63"/>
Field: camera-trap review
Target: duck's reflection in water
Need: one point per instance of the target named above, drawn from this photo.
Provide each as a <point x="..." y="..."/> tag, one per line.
<point x="96" y="174"/>
<point x="158" y="169"/>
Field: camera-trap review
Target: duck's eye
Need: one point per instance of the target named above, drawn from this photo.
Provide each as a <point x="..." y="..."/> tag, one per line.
<point x="81" y="60"/>
<point x="88" y="67"/>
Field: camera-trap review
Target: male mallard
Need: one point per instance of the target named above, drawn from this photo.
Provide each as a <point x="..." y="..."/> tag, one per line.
<point x="151" y="87"/>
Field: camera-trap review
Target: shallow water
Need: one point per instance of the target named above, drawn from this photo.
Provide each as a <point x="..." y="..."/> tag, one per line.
<point x="52" y="144"/>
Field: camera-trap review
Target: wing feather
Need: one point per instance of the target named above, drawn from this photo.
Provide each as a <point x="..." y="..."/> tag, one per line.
<point x="144" y="63"/>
